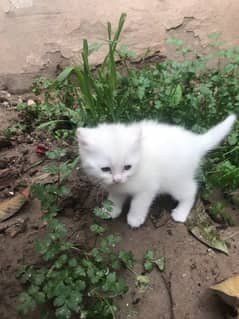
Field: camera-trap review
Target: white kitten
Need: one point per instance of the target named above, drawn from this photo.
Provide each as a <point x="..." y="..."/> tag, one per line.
<point x="147" y="158"/>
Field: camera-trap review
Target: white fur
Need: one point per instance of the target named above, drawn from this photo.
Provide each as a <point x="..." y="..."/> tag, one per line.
<point x="164" y="159"/>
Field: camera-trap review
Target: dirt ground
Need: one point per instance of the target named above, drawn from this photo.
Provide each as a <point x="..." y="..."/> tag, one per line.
<point x="180" y="292"/>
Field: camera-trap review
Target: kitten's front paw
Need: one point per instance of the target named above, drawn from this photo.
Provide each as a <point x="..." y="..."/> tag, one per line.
<point x="178" y="216"/>
<point x="135" y="221"/>
<point x="116" y="211"/>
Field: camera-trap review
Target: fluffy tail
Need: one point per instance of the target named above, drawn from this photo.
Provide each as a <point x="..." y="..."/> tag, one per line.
<point x="216" y="134"/>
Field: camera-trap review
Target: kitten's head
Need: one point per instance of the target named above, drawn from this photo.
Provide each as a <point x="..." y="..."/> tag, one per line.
<point x="110" y="152"/>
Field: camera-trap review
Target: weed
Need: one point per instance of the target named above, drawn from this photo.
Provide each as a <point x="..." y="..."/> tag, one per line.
<point x="150" y="261"/>
<point x="79" y="95"/>
<point x="104" y="211"/>
<point x="218" y="213"/>
<point x="71" y="280"/>
<point x="15" y="129"/>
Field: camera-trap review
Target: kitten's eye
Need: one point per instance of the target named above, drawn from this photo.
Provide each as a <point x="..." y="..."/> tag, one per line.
<point x="127" y="167"/>
<point x="106" y="169"/>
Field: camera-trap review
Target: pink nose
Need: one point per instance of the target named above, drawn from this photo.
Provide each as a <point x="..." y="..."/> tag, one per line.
<point x="117" y="178"/>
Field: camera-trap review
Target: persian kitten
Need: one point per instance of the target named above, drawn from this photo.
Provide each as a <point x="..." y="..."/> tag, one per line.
<point x="146" y="158"/>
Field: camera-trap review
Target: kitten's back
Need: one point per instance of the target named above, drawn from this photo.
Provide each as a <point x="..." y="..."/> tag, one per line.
<point x="171" y="151"/>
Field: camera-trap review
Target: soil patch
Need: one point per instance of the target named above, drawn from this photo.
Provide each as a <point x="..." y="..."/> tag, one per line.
<point x="180" y="292"/>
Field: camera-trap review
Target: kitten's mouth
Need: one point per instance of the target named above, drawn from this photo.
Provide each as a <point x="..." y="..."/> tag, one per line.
<point x="118" y="182"/>
<point x="113" y="183"/>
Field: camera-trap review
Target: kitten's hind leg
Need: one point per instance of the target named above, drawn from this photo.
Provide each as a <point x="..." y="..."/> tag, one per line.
<point x="186" y="197"/>
<point x="117" y="201"/>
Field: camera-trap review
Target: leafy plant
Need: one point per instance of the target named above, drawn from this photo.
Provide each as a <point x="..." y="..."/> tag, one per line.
<point x="97" y="229"/>
<point x="97" y="91"/>
<point x="71" y="280"/>
<point x="104" y="211"/>
<point x="15" y="129"/>
<point x="79" y="95"/>
<point x="150" y="261"/>
<point x="218" y="213"/>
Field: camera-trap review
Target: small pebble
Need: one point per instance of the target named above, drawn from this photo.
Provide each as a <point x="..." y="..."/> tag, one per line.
<point x="5" y="103"/>
<point x="30" y="102"/>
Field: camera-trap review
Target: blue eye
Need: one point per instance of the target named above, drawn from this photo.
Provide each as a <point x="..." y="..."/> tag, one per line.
<point x="106" y="169"/>
<point x="127" y="167"/>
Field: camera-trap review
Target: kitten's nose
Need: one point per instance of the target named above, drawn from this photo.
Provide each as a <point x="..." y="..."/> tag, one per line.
<point x="117" y="178"/>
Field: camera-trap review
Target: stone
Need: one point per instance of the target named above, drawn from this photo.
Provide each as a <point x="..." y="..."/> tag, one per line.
<point x="31" y="102"/>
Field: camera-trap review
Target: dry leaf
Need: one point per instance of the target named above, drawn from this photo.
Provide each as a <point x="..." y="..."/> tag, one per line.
<point x="142" y="283"/>
<point x="12" y="205"/>
<point x="201" y="226"/>
<point x="228" y="290"/>
<point x="209" y="236"/>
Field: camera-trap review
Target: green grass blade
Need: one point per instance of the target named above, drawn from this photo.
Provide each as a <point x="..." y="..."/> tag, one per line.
<point x="65" y="74"/>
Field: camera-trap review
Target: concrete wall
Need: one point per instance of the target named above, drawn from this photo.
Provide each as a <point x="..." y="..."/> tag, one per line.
<point x="38" y="36"/>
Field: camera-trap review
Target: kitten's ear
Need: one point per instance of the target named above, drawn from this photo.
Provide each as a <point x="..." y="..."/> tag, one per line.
<point x="82" y="135"/>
